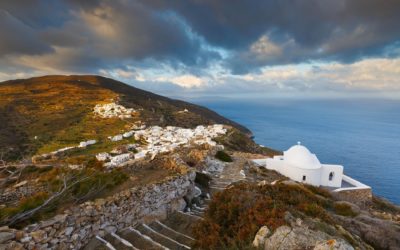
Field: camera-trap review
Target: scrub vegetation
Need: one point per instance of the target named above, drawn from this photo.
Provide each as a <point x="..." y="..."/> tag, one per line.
<point x="64" y="187"/>
<point x="235" y="214"/>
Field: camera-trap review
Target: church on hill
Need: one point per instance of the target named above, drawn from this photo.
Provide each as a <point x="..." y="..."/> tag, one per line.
<point x="300" y="165"/>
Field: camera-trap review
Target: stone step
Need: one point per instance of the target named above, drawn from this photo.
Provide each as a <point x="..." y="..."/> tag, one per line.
<point x="161" y="238"/>
<point x="199" y="208"/>
<point x="138" y="240"/>
<point x="197" y="213"/>
<point x="106" y="243"/>
<point x="228" y="179"/>
<point x="117" y="242"/>
<point x="220" y="182"/>
<point x="214" y="190"/>
<point x="180" y="222"/>
<point x="188" y="214"/>
<point x="171" y="233"/>
<point x="95" y="244"/>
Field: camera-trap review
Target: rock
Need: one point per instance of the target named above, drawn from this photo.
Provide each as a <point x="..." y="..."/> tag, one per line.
<point x="56" y="219"/>
<point x="262" y="234"/>
<point x="6" y="236"/>
<point x="383" y="234"/>
<point x="75" y="237"/>
<point x="54" y="241"/>
<point x="20" y="184"/>
<point x="262" y="183"/>
<point x="356" y="209"/>
<point x="25" y="239"/>
<point x="333" y="245"/>
<point x="19" y="235"/>
<point x="38" y="236"/>
<point x="12" y="245"/>
<point x="68" y="231"/>
<point x="214" y="166"/>
<point x="291" y="183"/>
<point x="178" y="205"/>
<point x="286" y="237"/>
<point x="110" y="229"/>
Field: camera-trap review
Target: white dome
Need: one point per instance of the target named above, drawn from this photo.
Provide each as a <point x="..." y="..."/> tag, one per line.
<point x="301" y="157"/>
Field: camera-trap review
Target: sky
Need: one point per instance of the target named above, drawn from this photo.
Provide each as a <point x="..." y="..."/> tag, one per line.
<point x="296" y="48"/>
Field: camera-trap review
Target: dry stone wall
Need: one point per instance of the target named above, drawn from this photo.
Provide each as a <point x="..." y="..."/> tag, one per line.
<point x="76" y="226"/>
<point x="358" y="196"/>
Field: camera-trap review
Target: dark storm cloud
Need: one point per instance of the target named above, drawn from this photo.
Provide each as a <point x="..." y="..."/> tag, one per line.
<point x="18" y="38"/>
<point x="97" y="34"/>
<point x="343" y="30"/>
<point x="101" y="33"/>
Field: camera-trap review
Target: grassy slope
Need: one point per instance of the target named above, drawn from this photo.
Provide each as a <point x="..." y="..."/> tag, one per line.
<point x="58" y="110"/>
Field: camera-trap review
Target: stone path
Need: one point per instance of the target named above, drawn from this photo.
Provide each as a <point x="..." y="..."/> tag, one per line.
<point x="173" y="233"/>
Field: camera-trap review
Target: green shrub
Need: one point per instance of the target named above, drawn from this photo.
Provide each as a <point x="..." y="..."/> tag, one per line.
<point x="344" y="209"/>
<point x="97" y="182"/>
<point x="317" y="190"/>
<point x="24" y="204"/>
<point x="222" y="156"/>
<point x="85" y="184"/>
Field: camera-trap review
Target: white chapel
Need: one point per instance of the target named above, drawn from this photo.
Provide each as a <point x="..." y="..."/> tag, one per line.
<point x="299" y="164"/>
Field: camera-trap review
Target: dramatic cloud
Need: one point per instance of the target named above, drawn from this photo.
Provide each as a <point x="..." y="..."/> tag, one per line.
<point x="192" y="45"/>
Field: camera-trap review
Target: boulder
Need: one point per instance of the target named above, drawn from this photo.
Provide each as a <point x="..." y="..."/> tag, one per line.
<point x="300" y="237"/>
<point x="332" y="245"/>
<point x="261" y="236"/>
<point x="39" y="235"/>
<point x="6" y="236"/>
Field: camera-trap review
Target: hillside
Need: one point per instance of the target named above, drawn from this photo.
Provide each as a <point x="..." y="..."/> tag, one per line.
<point x="87" y="162"/>
<point x="46" y="113"/>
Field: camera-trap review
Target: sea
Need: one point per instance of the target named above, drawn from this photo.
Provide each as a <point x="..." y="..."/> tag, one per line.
<point x="362" y="135"/>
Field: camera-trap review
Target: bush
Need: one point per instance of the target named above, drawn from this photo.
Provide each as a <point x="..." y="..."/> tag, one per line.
<point x="85" y="184"/>
<point x="222" y="156"/>
<point x="317" y="190"/>
<point x="96" y="183"/>
<point x="235" y="215"/>
<point x="24" y="204"/>
<point x="344" y="209"/>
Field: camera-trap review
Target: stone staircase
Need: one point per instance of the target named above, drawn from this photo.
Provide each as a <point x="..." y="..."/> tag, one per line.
<point x="175" y="232"/>
<point x="171" y="233"/>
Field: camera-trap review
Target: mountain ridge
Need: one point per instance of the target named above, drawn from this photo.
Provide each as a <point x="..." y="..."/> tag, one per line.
<point x="64" y="103"/>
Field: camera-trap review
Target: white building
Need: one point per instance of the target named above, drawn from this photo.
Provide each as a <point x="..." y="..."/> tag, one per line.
<point x="299" y="164"/>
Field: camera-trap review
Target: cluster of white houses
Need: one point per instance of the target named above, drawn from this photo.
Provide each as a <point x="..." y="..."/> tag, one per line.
<point x="299" y="164"/>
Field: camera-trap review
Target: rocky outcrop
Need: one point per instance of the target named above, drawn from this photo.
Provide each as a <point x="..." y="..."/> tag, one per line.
<point x="381" y="234"/>
<point x="300" y="237"/>
<point x="77" y="225"/>
<point x="262" y="234"/>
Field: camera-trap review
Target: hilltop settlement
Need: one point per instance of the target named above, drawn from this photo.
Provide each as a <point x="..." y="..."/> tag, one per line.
<point x="87" y="162"/>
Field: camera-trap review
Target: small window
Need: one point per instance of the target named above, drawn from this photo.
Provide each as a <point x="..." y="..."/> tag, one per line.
<point x="331" y="175"/>
<point x="304" y="178"/>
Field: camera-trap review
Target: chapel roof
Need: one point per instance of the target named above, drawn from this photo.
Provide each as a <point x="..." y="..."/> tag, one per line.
<point x="300" y="156"/>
